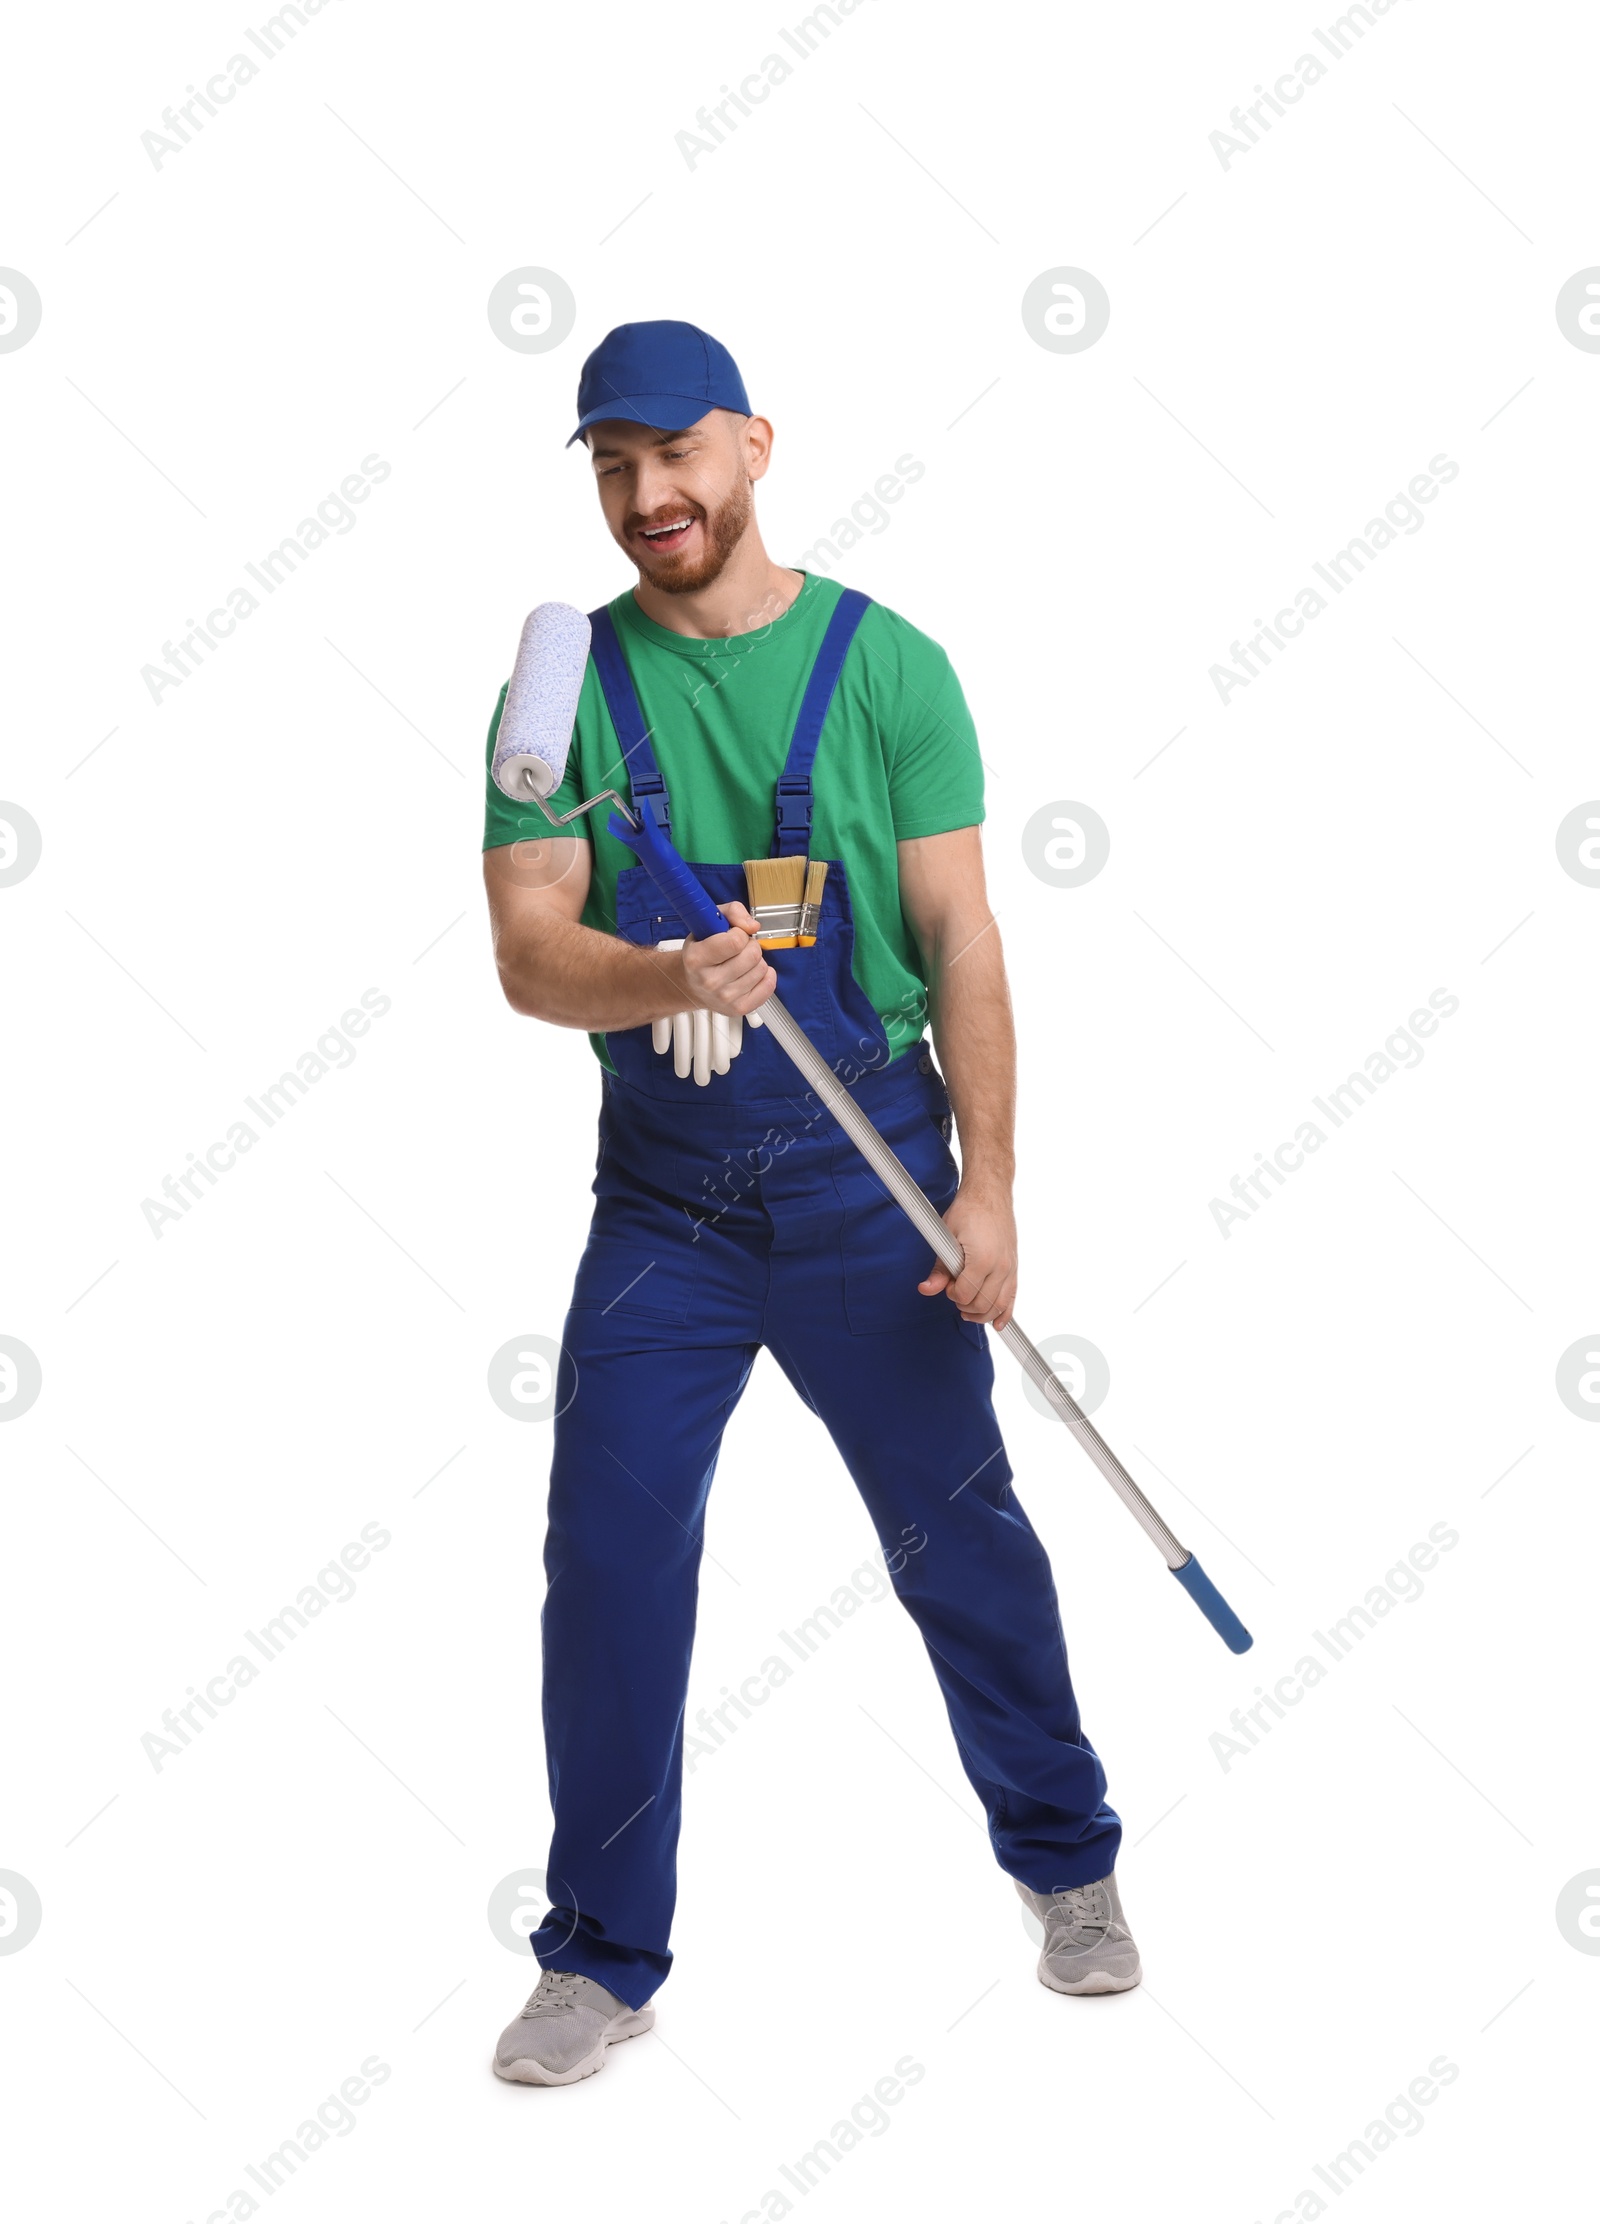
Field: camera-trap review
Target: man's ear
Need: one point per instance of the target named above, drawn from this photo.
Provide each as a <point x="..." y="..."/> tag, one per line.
<point x="757" y="446"/>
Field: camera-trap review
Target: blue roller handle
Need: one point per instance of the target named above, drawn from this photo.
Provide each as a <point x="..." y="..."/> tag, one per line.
<point x="679" y="888"/>
<point x="669" y="872"/>
<point x="1214" y="1606"/>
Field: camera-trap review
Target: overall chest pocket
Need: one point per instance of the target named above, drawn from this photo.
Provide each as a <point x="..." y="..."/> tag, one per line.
<point x="643" y="916"/>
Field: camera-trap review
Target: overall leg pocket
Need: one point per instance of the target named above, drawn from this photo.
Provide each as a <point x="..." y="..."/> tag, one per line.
<point x="620" y="1278"/>
<point x="883" y="1257"/>
<point x="641" y="1258"/>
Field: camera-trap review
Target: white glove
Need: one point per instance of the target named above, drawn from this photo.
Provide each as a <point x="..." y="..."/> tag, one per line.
<point x="701" y="1042"/>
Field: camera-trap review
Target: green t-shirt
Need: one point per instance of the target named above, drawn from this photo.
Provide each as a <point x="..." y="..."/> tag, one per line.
<point x="898" y="757"/>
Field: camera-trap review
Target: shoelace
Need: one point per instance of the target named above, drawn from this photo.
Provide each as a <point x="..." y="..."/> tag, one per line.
<point x="1084" y="1908"/>
<point x="557" y="1989"/>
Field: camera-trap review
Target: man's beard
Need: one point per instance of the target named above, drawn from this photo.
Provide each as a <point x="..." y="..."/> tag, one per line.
<point x="723" y="529"/>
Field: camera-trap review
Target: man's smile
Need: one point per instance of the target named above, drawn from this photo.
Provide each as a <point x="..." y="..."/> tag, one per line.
<point x="669" y="536"/>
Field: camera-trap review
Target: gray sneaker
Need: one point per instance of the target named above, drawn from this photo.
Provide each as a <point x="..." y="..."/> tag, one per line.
<point x="1087" y="1945"/>
<point x="563" y="2032"/>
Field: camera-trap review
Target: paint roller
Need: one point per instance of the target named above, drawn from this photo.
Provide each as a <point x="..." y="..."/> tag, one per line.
<point x="529" y="760"/>
<point x="530" y="749"/>
<point x="530" y="757"/>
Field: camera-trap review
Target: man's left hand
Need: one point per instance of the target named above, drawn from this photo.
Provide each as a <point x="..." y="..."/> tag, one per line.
<point x="985" y="1226"/>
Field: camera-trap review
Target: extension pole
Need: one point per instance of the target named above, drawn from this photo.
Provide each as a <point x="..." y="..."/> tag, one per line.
<point x="680" y="888"/>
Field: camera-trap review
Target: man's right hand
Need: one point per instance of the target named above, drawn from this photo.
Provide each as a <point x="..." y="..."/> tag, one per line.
<point x="729" y="972"/>
<point x="554" y="968"/>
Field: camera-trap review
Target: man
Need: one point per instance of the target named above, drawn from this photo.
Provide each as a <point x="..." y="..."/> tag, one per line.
<point x="768" y="711"/>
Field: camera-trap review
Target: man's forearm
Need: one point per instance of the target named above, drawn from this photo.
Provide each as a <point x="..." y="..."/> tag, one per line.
<point x="977" y="1046"/>
<point x="573" y="976"/>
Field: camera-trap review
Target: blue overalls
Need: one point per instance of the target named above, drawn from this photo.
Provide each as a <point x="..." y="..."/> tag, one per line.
<point x="728" y="1217"/>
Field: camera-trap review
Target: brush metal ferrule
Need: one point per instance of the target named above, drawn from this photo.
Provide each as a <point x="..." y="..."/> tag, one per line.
<point x="777" y="925"/>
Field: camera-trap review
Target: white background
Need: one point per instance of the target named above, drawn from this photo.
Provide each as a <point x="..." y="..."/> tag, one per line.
<point x="223" y="340"/>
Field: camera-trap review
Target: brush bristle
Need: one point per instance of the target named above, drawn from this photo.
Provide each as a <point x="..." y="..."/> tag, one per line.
<point x="774" y="880"/>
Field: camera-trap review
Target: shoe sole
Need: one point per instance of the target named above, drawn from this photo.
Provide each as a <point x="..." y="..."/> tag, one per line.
<point x="1098" y="1980"/>
<point x="529" y="2072"/>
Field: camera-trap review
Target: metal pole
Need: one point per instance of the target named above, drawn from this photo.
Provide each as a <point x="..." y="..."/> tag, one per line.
<point x="908" y="1196"/>
<point x="685" y="894"/>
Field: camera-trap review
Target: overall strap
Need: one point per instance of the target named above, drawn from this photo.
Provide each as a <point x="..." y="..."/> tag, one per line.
<point x="793" y="837"/>
<point x="642" y="775"/>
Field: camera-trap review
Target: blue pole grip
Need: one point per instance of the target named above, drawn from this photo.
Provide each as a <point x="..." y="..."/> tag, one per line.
<point x="1214" y="1606"/>
<point x="667" y="869"/>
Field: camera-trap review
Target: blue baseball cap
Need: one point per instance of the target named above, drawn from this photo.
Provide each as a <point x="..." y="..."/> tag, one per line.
<point x="663" y="374"/>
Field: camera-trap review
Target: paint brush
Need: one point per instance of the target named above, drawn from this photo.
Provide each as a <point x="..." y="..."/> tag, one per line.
<point x="776" y="887"/>
<point x="811" y="906"/>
